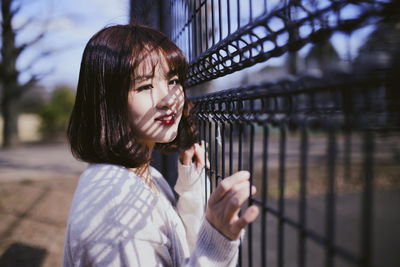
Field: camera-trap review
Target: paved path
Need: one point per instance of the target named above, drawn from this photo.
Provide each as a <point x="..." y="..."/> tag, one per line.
<point x="36" y="188"/>
<point x="38" y="162"/>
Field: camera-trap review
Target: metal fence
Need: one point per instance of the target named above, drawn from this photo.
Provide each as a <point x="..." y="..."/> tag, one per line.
<point x="323" y="150"/>
<point x="313" y="151"/>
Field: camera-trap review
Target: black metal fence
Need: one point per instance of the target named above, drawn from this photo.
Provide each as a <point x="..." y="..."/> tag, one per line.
<point x="323" y="150"/>
<point x="315" y="149"/>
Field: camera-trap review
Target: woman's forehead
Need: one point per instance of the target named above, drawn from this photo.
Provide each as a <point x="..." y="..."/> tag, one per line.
<point x="155" y="62"/>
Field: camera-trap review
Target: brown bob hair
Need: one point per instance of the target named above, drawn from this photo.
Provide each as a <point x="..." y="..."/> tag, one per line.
<point x="98" y="130"/>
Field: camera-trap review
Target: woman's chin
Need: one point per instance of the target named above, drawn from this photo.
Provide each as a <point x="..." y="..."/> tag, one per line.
<point x="167" y="139"/>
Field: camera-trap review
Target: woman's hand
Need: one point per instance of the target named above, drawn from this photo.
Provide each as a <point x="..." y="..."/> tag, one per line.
<point x="225" y="203"/>
<point x="194" y="154"/>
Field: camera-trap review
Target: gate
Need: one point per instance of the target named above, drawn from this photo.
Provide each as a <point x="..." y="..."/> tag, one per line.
<point x="314" y="116"/>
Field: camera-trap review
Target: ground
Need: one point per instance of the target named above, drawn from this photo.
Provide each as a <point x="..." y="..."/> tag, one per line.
<point x="36" y="187"/>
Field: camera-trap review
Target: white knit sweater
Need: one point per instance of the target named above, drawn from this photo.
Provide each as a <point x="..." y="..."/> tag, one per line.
<point x="117" y="220"/>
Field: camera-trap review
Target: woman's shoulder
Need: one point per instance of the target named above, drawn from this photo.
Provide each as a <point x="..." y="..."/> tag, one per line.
<point x="102" y="170"/>
<point x="108" y="176"/>
<point x="111" y="197"/>
<point x="110" y="184"/>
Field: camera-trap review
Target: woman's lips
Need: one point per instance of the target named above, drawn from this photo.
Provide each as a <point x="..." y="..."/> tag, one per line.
<point x="168" y="119"/>
<point x="167" y="122"/>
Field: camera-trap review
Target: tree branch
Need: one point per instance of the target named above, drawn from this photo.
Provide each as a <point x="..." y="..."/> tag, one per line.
<point x="24" y="25"/>
<point x="15" y="10"/>
<point x="25" y="87"/>
<point x="32" y="81"/>
<point x="22" y="47"/>
<point x="40" y="56"/>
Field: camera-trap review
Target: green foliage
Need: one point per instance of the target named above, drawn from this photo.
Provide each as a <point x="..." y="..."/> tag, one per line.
<point x="55" y="114"/>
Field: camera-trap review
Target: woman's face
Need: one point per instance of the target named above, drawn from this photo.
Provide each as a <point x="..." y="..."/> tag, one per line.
<point x="155" y="103"/>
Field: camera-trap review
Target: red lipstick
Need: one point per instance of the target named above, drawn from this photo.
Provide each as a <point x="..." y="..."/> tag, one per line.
<point x="168" y="122"/>
<point x="167" y="119"/>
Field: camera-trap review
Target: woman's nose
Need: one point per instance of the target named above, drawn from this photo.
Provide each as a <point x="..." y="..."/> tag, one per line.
<point x="166" y="97"/>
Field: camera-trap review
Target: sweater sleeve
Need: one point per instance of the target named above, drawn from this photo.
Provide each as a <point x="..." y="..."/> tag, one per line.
<point x="213" y="249"/>
<point x="208" y="246"/>
<point x="190" y="187"/>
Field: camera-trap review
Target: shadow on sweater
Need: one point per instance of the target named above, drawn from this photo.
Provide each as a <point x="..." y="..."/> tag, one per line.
<point x="110" y="207"/>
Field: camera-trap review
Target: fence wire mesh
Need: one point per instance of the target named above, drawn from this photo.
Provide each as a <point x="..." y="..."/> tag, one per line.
<point x="324" y="151"/>
<point x="218" y="41"/>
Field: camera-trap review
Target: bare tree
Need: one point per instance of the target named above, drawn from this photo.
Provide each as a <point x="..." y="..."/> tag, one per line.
<point x="11" y="88"/>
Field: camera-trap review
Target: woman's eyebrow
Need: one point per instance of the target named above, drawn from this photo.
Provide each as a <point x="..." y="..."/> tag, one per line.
<point x="141" y="78"/>
<point x="171" y="74"/>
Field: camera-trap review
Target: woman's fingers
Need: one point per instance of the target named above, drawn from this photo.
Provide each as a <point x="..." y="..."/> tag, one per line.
<point x="248" y="216"/>
<point x="199" y="157"/>
<point x="226" y="201"/>
<point x="186" y="156"/>
<point x="236" y="198"/>
<point x="195" y="154"/>
<point x="226" y="184"/>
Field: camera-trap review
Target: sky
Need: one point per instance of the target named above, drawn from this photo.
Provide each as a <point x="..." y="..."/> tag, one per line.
<point x="69" y="25"/>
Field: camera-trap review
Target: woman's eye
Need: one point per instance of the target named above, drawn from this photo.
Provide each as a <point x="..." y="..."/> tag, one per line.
<point x="174" y="82"/>
<point x="144" y="87"/>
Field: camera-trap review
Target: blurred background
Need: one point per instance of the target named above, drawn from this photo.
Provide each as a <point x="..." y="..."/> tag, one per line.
<point x="42" y="45"/>
<point x="42" y="42"/>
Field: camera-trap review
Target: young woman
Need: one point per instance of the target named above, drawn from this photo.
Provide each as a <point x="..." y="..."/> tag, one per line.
<point x="130" y="100"/>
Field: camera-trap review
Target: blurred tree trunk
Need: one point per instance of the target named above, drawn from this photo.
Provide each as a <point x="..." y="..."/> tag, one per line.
<point x="12" y="89"/>
<point x="10" y="113"/>
<point x="8" y="77"/>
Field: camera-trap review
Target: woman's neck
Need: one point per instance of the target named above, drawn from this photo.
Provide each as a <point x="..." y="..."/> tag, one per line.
<point x="144" y="171"/>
